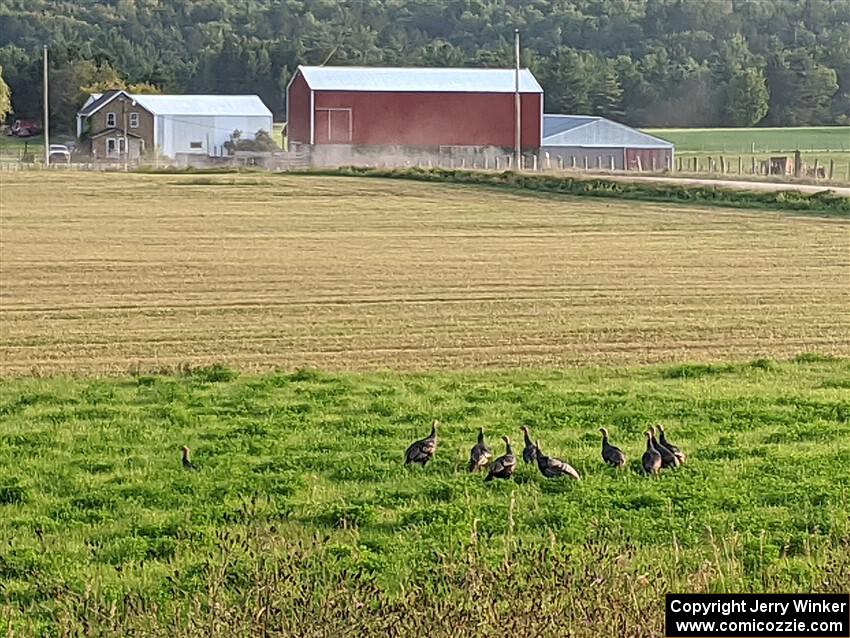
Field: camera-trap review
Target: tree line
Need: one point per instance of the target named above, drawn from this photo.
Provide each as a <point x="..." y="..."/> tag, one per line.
<point x="673" y="63"/>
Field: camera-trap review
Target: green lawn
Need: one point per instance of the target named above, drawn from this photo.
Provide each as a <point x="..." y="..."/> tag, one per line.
<point x="302" y="516"/>
<point x="15" y="147"/>
<point x="741" y="140"/>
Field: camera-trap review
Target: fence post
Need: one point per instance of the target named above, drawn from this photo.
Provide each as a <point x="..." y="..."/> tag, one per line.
<point x="831" y="168"/>
<point x="639" y="166"/>
<point x="611" y="161"/>
<point x="560" y="163"/>
<point x="572" y="161"/>
<point x="753" y="168"/>
<point x="740" y="165"/>
<point x="652" y="162"/>
<point x="816" y="168"/>
<point x="722" y="165"/>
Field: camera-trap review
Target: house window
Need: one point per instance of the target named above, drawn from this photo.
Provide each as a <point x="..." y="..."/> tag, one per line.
<point x="134" y="120"/>
<point x="196" y="145"/>
<point x="110" y="119"/>
<point x="110" y="146"/>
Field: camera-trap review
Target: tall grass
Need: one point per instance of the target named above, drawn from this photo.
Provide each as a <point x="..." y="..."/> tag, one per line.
<point x="823" y="203"/>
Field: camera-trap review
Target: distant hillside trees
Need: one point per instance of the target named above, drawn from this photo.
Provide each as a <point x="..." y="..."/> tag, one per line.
<point x="5" y="97"/>
<point x="747" y="98"/>
<point x="647" y="62"/>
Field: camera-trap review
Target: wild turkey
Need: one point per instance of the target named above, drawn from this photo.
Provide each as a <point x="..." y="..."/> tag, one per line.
<point x="504" y="466"/>
<point x="613" y="456"/>
<point x="423" y="450"/>
<point x="651" y="459"/>
<point x="529" y="452"/>
<point x="668" y="459"/>
<point x="675" y="450"/>
<point x="550" y="467"/>
<point x="187" y="464"/>
<point x="480" y="454"/>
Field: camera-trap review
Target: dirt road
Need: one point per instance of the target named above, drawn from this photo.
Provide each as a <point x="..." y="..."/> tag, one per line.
<point x="738" y="184"/>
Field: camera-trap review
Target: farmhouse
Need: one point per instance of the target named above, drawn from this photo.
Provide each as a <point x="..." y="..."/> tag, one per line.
<point x="420" y="108"/>
<point x="171" y="125"/>
<point x="583" y="141"/>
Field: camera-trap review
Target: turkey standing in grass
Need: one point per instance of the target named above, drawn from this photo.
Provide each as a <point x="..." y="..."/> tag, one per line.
<point x="529" y="452"/>
<point x="504" y="466"/>
<point x="423" y="450"/>
<point x="651" y="459"/>
<point x="668" y="459"/>
<point x="480" y="454"/>
<point x="187" y="464"/>
<point x="550" y="467"/>
<point x="675" y="450"/>
<point x="613" y="456"/>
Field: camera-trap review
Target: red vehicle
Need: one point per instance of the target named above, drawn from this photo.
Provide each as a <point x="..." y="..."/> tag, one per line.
<point x="24" y="128"/>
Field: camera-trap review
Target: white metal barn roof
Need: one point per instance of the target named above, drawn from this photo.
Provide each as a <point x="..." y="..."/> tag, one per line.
<point x="598" y="132"/>
<point x="195" y="104"/>
<point x="417" y="79"/>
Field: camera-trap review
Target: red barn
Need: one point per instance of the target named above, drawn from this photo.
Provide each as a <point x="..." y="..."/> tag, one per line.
<point x="412" y="107"/>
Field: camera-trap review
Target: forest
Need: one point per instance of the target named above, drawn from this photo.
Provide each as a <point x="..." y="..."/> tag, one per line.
<point x="662" y="63"/>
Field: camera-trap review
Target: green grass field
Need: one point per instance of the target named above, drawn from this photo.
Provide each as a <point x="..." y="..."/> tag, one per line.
<point x="766" y="140"/>
<point x="98" y="514"/>
<point x="13" y="148"/>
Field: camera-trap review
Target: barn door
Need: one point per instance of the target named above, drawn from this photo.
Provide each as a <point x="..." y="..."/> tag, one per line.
<point x="333" y="126"/>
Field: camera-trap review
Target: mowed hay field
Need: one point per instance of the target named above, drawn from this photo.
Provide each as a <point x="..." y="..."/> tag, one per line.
<point x="110" y="273"/>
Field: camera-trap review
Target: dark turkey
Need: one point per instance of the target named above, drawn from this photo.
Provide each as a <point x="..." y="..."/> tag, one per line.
<point x="613" y="456"/>
<point x="651" y="459"/>
<point x="529" y="452"/>
<point x="504" y="466"/>
<point x="668" y="459"/>
<point x="187" y="464"/>
<point x="423" y="450"/>
<point x="675" y="450"/>
<point x="480" y="454"/>
<point x="550" y="467"/>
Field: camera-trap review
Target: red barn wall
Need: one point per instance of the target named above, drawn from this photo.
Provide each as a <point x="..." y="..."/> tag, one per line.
<point x="298" y="110"/>
<point x="420" y="119"/>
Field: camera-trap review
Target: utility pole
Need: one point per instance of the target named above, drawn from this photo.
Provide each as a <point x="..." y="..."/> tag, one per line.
<point x="46" y="116"/>
<point x="517" y="107"/>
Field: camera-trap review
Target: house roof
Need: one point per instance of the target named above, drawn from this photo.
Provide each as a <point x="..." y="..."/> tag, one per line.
<point x="417" y="79"/>
<point x="597" y="132"/>
<point x="184" y="104"/>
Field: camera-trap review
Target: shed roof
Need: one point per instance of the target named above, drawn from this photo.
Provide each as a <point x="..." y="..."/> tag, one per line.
<point x="599" y="132"/>
<point x="417" y="79"/>
<point x="184" y="104"/>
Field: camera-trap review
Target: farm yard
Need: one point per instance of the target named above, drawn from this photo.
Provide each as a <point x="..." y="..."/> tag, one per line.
<point x="299" y="332"/>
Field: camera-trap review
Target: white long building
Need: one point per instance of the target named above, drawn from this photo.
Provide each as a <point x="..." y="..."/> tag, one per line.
<point x="169" y="124"/>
